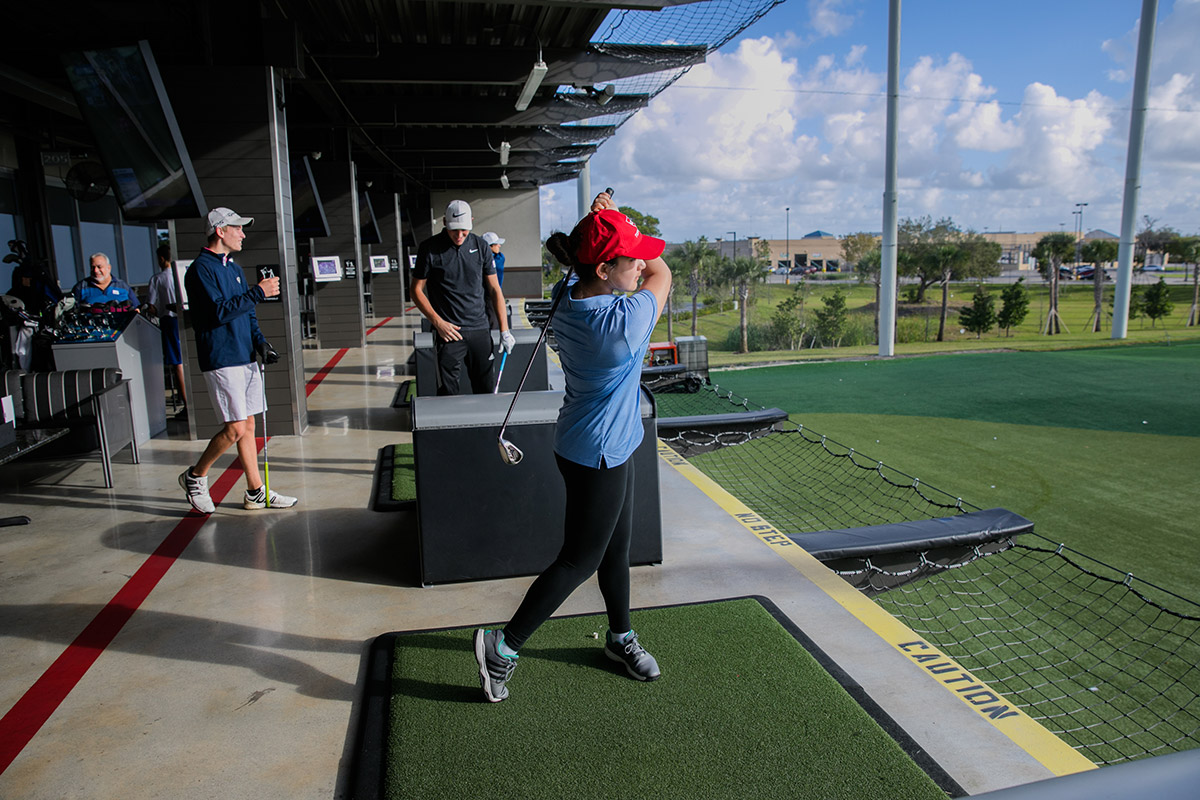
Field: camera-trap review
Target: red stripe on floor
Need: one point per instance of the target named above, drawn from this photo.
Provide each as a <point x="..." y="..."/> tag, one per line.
<point x="324" y="371"/>
<point x="29" y="714"/>
<point x="380" y="325"/>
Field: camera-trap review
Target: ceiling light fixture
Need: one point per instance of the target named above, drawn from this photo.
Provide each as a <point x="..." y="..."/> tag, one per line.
<point x="505" y="147"/>
<point x="504" y="180"/>
<point x="532" y="83"/>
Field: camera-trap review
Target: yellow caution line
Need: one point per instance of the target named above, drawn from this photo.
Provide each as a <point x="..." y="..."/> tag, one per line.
<point x="1052" y="752"/>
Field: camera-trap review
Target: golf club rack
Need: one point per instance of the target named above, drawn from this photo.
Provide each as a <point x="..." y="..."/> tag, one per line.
<point x="32" y="312"/>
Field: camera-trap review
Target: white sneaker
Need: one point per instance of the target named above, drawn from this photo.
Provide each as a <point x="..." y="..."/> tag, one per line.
<point x="256" y="500"/>
<point x="196" y="487"/>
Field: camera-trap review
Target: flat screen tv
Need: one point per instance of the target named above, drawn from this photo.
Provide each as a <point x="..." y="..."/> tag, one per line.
<point x="368" y="226"/>
<point x="308" y="212"/>
<point x="326" y="268"/>
<point x="379" y="264"/>
<point x="122" y="99"/>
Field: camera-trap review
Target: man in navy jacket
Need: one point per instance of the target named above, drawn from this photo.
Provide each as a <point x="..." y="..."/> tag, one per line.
<point x="228" y="338"/>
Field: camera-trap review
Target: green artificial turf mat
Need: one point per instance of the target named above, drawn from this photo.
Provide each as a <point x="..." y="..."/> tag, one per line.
<point x="742" y="711"/>
<point x="404" y="473"/>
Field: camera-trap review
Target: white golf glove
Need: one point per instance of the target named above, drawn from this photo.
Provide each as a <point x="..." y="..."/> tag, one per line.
<point x="507" y="341"/>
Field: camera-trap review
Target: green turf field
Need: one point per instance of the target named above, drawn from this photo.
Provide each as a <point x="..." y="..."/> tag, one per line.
<point x="760" y="720"/>
<point x="1100" y="447"/>
<point x="920" y="321"/>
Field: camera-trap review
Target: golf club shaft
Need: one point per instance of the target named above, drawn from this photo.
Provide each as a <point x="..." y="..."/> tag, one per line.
<point x="536" y="349"/>
<point x="500" y="374"/>
<point x="262" y="379"/>
<point x="541" y="338"/>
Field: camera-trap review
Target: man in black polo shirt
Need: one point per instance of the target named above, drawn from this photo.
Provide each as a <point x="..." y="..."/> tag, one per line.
<point x="454" y="276"/>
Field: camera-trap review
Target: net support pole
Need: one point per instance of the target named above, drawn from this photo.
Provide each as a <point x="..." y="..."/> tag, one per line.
<point x="584" y="185"/>
<point x="1133" y="169"/>
<point x="887" y="256"/>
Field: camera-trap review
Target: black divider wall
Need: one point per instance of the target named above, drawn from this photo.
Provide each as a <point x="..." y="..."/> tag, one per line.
<point x="481" y="518"/>
<point x="387" y="293"/>
<point x="339" y="304"/>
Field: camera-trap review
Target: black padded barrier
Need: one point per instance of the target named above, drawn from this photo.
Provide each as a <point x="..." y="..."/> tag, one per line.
<point x="514" y="367"/>
<point x="1174" y="776"/>
<point x="977" y="527"/>
<point x="481" y="518"/>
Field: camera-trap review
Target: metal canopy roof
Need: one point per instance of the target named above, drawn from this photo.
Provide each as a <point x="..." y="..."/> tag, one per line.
<point x="421" y="94"/>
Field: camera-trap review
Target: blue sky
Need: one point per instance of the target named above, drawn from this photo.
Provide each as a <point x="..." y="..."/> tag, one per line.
<point x="1010" y="115"/>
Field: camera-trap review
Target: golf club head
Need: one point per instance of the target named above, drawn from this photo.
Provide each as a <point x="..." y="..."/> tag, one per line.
<point x="511" y="454"/>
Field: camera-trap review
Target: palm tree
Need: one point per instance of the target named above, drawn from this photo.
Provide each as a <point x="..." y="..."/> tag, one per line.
<point x="1051" y="251"/>
<point x="697" y="257"/>
<point x="741" y="273"/>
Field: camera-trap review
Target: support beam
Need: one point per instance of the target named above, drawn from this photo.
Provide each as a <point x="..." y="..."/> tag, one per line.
<point x="1133" y="168"/>
<point x="887" y="260"/>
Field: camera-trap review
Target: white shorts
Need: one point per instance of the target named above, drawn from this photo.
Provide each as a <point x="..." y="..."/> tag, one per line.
<point x="237" y="392"/>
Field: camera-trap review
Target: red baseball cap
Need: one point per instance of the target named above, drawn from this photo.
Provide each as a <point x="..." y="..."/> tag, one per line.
<point x="604" y="235"/>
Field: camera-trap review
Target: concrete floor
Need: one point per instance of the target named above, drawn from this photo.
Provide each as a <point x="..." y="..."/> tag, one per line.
<point x="233" y="670"/>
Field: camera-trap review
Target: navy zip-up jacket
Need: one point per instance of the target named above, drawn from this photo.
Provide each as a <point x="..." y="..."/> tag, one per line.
<point x="222" y="310"/>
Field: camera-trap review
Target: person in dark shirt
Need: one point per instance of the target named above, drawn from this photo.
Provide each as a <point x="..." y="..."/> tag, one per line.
<point x="227" y="340"/>
<point x="454" y="272"/>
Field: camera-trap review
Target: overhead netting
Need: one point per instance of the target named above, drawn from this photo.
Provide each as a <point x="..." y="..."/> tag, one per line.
<point x="1108" y="662"/>
<point x="638" y="35"/>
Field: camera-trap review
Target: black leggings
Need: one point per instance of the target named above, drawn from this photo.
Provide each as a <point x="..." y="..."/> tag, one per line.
<point x="596" y="534"/>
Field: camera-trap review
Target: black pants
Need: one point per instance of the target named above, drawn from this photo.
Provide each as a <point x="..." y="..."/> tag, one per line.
<point x="596" y="535"/>
<point x="474" y="352"/>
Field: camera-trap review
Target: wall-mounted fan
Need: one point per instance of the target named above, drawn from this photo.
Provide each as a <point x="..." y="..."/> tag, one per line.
<point x="87" y="181"/>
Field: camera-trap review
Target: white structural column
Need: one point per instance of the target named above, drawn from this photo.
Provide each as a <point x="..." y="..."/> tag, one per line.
<point x="584" y="184"/>
<point x="1133" y="168"/>
<point x="887" y="260"/>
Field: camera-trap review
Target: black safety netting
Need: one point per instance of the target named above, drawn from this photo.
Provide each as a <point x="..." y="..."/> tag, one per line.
<point x="1108" y="662"/>
<point x="647" y="37"/>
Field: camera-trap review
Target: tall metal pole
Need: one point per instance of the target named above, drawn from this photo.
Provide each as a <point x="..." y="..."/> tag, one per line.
<point x="584" y="185"/>
<point x="787" y="243"/>
<point x="887" y="260"/>
<point x="1133" y="168"/>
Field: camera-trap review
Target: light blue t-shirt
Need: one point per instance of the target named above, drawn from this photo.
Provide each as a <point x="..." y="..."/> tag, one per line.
<point x="601" y="343"/>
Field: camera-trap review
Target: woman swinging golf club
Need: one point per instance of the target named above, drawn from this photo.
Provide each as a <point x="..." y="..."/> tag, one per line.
<point x="602" y="336"/>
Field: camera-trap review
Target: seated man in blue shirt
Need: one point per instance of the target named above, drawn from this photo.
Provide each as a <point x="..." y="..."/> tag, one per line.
<point x="102" y="287"/>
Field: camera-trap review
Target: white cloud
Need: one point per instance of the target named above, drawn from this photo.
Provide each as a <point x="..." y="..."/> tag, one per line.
<point x="761" y="126"/>
<point x="826" y="20"/>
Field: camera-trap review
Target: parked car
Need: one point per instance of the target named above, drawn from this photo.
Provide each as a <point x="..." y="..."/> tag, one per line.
<point x="1152" y="268"/>
<point x="1087" y="272"/>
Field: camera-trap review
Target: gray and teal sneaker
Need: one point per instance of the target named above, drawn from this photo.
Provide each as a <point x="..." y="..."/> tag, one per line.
<point x="638" y="663"/>
<point x="494" y="669"/>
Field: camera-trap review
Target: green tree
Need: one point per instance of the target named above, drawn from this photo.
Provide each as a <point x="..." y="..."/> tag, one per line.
<point x="832" y="318"/>
<point x="697" y="259"/>
<point x="740" y="274"/>
<point x="917" y="238"/>
<point x="951" y="262"/>
<point x="980" y="316"/>
<point x="788" y="321"/>
<point x="861" y="251"/>
<point x="1187" y="250"/>
<point x="1155" y="240"/>
<point x="645" y="223"/>
<point x="1098" y="252"/>
<point x="1158" y="301"/>
<point x="1014" y="306"/>
<point x="1051" y="251"/>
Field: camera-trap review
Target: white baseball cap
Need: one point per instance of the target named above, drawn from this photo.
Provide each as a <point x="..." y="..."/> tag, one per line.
<point x="490" y="238"/>
<point x="458" y="216"/>
<point x="221" y="217"/>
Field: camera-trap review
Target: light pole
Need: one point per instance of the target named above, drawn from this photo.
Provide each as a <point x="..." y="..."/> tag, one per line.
<point x="787" y="243"/>
<point x="1079" y="235"/>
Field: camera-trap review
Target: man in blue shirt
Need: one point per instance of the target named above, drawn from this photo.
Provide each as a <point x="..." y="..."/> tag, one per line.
<point x="227" y="339"/>
<point x="102" y="287"/>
